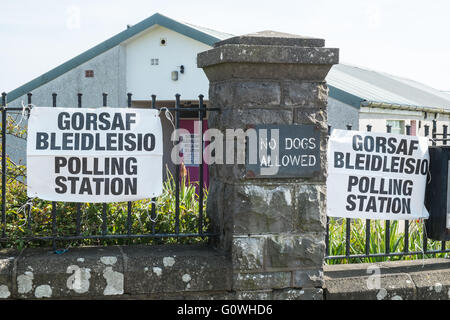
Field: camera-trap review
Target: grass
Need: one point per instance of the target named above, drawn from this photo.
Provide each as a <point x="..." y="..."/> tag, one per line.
<point x="377" y="244"/>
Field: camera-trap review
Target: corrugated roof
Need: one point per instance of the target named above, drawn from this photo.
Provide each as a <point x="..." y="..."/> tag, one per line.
<point x="348" y="81"/>
<point x="217" y="34"/>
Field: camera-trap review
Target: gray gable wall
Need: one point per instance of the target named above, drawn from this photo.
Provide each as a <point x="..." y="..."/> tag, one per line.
<point x="109" y="77"/>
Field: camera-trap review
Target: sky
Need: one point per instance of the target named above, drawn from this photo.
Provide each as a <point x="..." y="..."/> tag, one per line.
<point x="407" y="38"/>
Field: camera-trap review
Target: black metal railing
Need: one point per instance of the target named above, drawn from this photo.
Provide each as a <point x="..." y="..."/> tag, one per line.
<point x="198" y="231"/>
<point x="368" y="254"/>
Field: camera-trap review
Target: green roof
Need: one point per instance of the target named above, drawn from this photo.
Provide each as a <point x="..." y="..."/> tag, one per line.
<point x="196" y="33"/>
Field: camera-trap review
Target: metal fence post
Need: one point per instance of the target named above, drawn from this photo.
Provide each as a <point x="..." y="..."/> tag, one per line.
<point x="153" y="210"/>
<point x="129" y="204"/>
<point x="434" y="133"/>
<point x="367" y="244"/>
<point x="29" y="205"/>
<point x="54" y="230"/>
<point x="200" y="190"/>
<point x="78" y="205"/>
<point x="4" y="169"/>
<point x="444" y="142"/>
<point x="348" y="225"/>
<point x="327" y="227"/>
<point x="177" y="169"/>
<point x="424" y="233"/>
<point x="444" y="134"/>
<point x="104" y="205"/>
<point x="406" y="243"/>
<point x="387" y="238"/>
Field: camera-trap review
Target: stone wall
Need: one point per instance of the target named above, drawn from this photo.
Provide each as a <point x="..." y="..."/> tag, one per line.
<point x="422" y="279"/>
<point x="273" y="229"/>
<point x="115" y="272"/>
<point x="202" y="273"/>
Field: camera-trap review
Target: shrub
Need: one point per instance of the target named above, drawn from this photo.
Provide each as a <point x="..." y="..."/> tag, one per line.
<point x="337" y="232"/>
<point x="34" y="219"/>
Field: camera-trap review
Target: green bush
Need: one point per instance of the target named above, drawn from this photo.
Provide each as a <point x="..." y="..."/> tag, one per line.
<point x="35" y="218"/>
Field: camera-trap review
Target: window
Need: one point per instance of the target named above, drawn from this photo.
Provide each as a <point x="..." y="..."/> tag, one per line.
<point x="191" y="149"/>
<point x="89" y="73"/>
<point x="397" y="126"/>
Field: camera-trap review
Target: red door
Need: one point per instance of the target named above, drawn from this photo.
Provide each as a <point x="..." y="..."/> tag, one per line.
<point x="413" y="128"/>
<point x="191" y="151"/>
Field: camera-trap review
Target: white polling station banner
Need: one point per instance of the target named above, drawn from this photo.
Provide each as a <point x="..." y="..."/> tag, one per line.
<point x="94" y="155"/>
<point x="376" y="175"/>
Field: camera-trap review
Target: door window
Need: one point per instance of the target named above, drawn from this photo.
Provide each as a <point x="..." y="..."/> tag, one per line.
<point x="397" y="126"/>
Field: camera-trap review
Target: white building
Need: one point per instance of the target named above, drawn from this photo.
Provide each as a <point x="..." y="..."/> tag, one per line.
<point x="156" y="56"/>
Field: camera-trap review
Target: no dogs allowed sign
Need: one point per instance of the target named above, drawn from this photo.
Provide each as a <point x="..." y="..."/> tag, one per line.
<point x="376" y="175"/>
<point x="94" y="155"/>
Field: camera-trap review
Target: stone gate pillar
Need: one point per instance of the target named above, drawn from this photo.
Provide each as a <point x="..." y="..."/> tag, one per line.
<point x="273" y="228"/>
